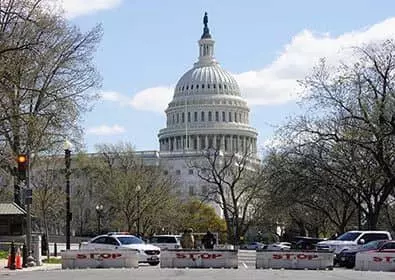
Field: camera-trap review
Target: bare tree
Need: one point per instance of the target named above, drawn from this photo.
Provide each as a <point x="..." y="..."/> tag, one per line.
<point x="46" y="77"/>
<point x="234" y="182"/>
<point x="347" y="136"/>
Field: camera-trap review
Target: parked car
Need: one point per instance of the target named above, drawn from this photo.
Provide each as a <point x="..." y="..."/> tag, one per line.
<point x="279" y="246"/>
<point x="305" y="242"/>
<point x="147" y="253"/>
<point x="166" y="241"/>
<point x="351" y="240"/>
<point x="347" y="257"/>
<point x="253" y="246"/>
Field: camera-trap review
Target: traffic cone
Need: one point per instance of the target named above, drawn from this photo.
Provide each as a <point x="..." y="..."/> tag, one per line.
<point x="18" y="260"/>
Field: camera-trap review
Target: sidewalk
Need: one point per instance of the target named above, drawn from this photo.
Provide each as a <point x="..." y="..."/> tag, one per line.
<point x="44" y="266"/>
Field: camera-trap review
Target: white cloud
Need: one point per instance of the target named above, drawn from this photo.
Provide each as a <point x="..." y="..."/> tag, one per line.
<point x="276" y="83"/>
<point x="75" y="8"/>
<point x="152" y="99"/>
<point x="105" y="130"/>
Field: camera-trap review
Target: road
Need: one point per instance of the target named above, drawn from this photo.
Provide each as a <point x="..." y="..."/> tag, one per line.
<point x="154" y="273"/>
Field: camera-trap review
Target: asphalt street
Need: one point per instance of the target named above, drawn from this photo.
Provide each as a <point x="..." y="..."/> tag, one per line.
<point x="154" y="273"/>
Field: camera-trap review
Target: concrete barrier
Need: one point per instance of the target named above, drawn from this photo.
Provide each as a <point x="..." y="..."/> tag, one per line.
<point x="375" y="261"/>
<point x="198" y="259"/>
<point x="294" y="259"/>
<point x="122" y="258"/>
<point x="224" y="247"/>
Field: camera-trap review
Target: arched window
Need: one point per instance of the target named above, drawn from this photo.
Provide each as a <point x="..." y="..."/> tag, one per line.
<point x="209" y="116"/>
<point x="202" y="117"/>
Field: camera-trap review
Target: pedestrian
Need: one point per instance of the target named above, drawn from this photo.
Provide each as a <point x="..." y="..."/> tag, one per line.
<point x="208" y="240"/>
<point x="187" y="239"/>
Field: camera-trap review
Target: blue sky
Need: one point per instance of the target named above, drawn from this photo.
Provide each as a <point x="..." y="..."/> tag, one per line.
<point x="267" y="45"/>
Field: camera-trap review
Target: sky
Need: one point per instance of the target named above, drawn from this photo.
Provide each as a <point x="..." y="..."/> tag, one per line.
<point x="266" y="44"/>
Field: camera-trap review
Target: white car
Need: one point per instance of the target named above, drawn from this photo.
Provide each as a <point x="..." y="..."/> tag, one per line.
<point x="280" y="246"/>
<point x="147" y="253"/>
<point x="166" y="241"/>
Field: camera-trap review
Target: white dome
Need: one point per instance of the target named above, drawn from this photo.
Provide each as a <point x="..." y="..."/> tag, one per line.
<point x="207" y="110"/>
<point x="207" y="79"/>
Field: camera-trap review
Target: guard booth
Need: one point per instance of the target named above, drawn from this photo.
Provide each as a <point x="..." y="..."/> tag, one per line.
<point x="12" y="224"/>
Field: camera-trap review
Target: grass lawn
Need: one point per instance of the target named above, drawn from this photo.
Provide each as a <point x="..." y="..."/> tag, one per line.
<point x="52" y="260"/>
<point x="3" y="254"/>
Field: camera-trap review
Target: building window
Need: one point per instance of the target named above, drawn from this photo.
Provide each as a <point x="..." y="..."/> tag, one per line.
<point x="189" y="116"/>
<point x="197" y="86"/>
<point x="216" y="116"/>
<point x="209" y="116"/>
<point x="196" y="117"/>
<point x="190" y="171"/>
<point x="224" y="86"/>
<point x="202" y="85"/>
<point x="223" y="117"/>
<point x="178" y="118"/>
<point x="191" y="86"/>
<point x="183" y="117"/>
<point x="208" y="85"/>
<point x="182" y="87"/>
<point x="219" y="86"/>
<point x="174" y="119"/>
<point x="235" y="117"/>
<point x="230" y="116"/>
<point x="187" y="87"/>
<point x="213" y="85"/>
<point x="178" y="172"/>
<point x="191" y="191"/>
<point x="202" y="117"/>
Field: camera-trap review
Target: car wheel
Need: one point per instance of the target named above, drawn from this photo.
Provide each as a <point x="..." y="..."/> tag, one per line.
<point x="153" y="263"/>
<point x="349" y="265"/>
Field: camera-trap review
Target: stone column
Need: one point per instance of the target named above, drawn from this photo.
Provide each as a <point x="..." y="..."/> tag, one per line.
<point x="206" y="141"/>
<point x="222" y="142"/>
<point x="198" y="142"/>
<point x="215" y="141"/>
<point x="231" y="143"/>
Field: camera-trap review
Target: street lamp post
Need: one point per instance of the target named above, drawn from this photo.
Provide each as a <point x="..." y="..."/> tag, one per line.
<point x="138" y="189"/>
<point x="67" y="158"/>
<point x="99" y="211"/>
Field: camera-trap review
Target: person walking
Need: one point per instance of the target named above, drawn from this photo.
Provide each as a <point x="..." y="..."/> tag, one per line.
<point x="187" y="239"/>
<point x="208" y="240"/>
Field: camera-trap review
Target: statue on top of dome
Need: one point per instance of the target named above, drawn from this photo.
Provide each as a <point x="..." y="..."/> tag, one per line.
<point x="206" y="31"/>
<point x="205" y="20"/>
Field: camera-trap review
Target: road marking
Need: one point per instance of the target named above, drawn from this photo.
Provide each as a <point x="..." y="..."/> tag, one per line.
<point x="244" y="264"/>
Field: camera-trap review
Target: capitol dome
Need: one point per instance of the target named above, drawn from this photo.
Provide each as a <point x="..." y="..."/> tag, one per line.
<point x="207" y="109"/>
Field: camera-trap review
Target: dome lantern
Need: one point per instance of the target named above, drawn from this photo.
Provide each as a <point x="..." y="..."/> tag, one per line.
<point x="206" y="45"/>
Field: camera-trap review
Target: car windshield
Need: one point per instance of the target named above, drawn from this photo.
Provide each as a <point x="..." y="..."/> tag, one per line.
<point x="373" y="244"/>
<point x="348" y="236"/>
<point x="163" y="239"/>
<point x="126" y="240"/>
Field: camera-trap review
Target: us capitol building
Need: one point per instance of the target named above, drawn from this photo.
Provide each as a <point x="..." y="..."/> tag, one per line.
<point x="207" y="111"/>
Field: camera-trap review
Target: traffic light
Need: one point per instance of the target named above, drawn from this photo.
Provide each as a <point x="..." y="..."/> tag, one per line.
<point x="23" y="163"/>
